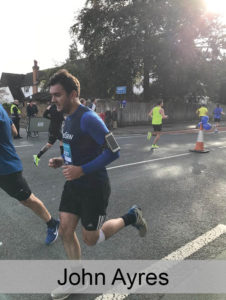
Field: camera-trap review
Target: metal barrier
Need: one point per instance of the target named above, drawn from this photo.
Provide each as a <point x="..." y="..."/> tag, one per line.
<point x="36" y="125"/>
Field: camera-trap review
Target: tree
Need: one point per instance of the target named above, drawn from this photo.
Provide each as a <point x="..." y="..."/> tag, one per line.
<point x="167" y="43"/>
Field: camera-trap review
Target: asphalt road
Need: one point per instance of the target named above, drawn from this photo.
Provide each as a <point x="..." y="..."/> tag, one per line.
<point x="181" y="193"/>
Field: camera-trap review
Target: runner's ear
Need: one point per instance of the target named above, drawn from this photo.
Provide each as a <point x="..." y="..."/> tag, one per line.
<point x="73" y="94"/>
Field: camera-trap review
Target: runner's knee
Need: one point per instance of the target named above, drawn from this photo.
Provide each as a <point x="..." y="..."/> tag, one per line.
<point x="66" y="231"/>
<point x="90" y="238"/>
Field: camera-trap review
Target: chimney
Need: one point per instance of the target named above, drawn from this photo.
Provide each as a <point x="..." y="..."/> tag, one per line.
<point x="35" y="77"/>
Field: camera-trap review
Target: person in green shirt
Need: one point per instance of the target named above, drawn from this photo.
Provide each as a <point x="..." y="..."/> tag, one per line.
<point x="157" y="114"/>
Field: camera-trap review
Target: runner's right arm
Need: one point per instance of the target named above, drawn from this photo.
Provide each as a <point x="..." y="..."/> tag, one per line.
<point x="150" y="113"/>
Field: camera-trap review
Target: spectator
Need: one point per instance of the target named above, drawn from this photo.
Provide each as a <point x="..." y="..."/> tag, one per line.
<point x="93" y="105"/>
<point x="102" y="115"/>
<point x="16" y="115"/>
<point x="32" y="111"/>
<point x="124" y="103"/>
<point x="83" y="101"/>
<point x="114" y="118"/>
<point x="35" y="109"/>
<point x="108" y="119"/>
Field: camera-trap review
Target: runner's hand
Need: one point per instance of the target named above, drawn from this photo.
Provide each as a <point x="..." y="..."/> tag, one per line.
<point x="56" y="162"/>
<point x="72" y="172"/>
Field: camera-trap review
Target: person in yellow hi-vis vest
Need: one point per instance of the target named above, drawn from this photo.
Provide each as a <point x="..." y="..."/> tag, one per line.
<point x="15" y="116"/>
<point x="157" y="114"/>
<point x="202" y="111"/>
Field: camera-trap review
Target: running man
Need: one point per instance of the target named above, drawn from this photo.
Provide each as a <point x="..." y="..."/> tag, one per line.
<point x="157" y="114"/>
<point x="88" y="148"/>
<point x="12" y="180"/>
<point x="202" y="111"/>
<point x="217" y="113"/>
<point x="56" y="119"/>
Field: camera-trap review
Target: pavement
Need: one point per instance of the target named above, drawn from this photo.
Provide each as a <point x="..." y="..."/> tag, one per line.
<point x="142" y="129"/>
<point x="176" y="127"/>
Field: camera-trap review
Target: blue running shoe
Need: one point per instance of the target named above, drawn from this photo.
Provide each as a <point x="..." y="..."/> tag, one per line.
<point x="52" y="233"/>
<point x="140" y="223"/>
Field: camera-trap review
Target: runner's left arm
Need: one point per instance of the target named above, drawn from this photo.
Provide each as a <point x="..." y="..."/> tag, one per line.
<point x="93" y="125"/>
<point x="162" y="112"/>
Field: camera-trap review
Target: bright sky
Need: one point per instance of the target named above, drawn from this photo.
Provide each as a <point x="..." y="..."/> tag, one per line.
<point x="35" y="30"/>
<point x="217" y="6"/>
<point x="40" y="30"/>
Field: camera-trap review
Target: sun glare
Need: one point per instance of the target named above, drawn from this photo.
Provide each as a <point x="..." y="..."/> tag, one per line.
<point x="217" y="6"/>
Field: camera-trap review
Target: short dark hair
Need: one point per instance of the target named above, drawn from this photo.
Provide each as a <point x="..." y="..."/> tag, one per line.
<point x="67" y="80"/>
<point x="82" y="100"/>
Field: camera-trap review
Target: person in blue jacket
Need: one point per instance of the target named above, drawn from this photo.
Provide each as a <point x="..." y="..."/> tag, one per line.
<point x="217" y="113"/>
<point x="88" y="148"/>
<point x="12" y="180"/>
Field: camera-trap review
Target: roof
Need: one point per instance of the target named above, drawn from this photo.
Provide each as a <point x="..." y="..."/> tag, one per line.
<point x="40" y="97"/>
<point x="16" y="81"/>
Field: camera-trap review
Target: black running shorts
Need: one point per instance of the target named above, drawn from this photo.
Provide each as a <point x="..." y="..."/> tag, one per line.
<point x="157" y="127"/>
<point x="53" y="136"/>
<point x="89" y="204"/>
<point x="15" y="185"/>
<point x="217" y="120"/>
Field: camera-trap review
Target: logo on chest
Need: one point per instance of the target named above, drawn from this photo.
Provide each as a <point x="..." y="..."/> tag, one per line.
<point x="68" y="136"/>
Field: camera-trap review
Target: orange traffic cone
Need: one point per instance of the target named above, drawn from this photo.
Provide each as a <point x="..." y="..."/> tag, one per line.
<point x="199" y="146"/>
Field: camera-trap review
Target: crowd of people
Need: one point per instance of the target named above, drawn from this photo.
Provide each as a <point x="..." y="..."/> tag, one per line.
<point x="109" y="117"/>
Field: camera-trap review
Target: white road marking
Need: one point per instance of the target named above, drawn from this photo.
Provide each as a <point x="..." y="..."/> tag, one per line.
<point x="163" y="133"/>
<point x="112" y="297"/>
<point x="26" y="145"/>
<point x="149" y="161"/>
<point x="192" y="247"/>
<point x="130" y="136"/>
<point x="180" y="254"/>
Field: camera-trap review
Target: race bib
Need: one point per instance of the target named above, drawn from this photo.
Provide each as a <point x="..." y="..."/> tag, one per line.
<point x="67" y="153"/>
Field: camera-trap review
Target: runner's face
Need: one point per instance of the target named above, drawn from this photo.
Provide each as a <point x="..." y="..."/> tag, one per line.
<point x="60" y="98"/>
